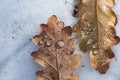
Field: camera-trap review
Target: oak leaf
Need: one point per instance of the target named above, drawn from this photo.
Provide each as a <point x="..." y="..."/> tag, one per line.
<point x="96" y="29"/>
<point x="55" y="52"/>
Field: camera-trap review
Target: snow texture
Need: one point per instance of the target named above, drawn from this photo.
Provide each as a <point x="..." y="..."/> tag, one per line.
<point x="19" y="22"/>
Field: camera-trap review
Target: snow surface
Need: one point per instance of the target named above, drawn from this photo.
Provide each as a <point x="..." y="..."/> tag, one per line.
<point x="19" y="22"/>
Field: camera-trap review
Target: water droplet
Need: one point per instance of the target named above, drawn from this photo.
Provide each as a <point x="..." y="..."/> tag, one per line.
<point x="61" y="43"/>
<point x="89" y="24"/>
<point x="87" y="32"/>
<point x="89" y="41"/>
<point x="59" y="30"/>
<point x="59" y="52"/>
<point x="110" y="34"/>
<point x="84" y="28"/>
<point x="48" y="43"/>
<point x="104" y="42"/>
<point x="49" y="53"/>
<point x="41" y="42"/>
<point x="90" y="29"/>
<point x="94" y="46"/>
<point x="68" y="52"/>
<point x="94" y="28"/>
<point x="53" y="49"/>
<point x="95" y="52"/>
<point x="76" y="9"/>
<point x="46" y="36"/>
<point x="74" y="29"/>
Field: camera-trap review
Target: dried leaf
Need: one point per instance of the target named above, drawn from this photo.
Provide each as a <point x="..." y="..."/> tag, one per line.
<point x="55" y="54"/>
<point x="96" y="29"/>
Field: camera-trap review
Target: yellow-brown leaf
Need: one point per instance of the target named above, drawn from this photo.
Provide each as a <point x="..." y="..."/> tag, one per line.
<point x="96" y="28"/>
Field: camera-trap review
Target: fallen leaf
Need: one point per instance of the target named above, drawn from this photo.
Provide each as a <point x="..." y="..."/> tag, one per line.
<point x="96" y="31"/>
<point x="55" y="52"/>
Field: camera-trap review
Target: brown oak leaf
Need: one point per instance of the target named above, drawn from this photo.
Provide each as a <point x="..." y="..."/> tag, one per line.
<point x="96" y="29"/>
<point x="55" y="52"/>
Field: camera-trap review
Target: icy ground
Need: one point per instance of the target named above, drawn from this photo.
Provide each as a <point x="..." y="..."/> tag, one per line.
<point x="19" y="22"/>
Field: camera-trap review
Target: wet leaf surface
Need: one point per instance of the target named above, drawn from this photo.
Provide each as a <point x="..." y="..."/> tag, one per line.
<point x="96" y="31"/>
<point x="55" y="52"/>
